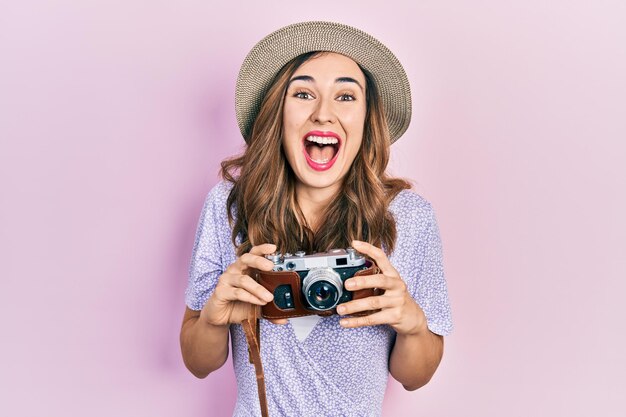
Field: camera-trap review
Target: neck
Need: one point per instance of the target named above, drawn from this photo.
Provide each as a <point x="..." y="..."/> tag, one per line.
<point x="313" y="202"/>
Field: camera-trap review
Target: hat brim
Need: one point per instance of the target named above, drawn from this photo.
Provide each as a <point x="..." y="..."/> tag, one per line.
<point x="268" y="56"/>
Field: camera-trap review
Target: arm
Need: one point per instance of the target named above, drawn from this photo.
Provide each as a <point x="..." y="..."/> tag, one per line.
<point x="203" y="345"/>
<point x="415" y="358"/>
<point x="204" y="334"/>
<point x="417" y="351"/>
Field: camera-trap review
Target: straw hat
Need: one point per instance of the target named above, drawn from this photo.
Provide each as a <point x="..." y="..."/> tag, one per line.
<point x="269" y="55"/>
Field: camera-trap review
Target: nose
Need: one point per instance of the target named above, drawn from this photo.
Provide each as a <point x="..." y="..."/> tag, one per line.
<point x="323" y="112"/>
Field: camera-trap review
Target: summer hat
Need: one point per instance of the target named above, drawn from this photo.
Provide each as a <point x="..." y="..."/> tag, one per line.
<point x="268" y="56"/>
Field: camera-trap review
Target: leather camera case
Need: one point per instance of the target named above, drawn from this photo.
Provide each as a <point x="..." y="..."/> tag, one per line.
<point x="273" y="279"/>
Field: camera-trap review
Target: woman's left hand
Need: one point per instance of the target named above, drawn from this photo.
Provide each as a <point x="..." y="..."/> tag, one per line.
<point x="397" y="308"/>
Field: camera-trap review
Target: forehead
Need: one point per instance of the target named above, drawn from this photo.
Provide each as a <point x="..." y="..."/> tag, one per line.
<point x="331" y="65"/>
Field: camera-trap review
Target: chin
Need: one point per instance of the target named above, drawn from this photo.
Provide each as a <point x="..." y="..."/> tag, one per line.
<point x="317" y="182"/>
<point x="323" y="181"/>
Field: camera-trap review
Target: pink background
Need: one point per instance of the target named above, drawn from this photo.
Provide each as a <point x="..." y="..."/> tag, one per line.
<point x="114" y="116"/>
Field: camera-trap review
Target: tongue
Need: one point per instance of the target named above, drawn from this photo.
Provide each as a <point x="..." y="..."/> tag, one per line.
<point x="321" y="153"/>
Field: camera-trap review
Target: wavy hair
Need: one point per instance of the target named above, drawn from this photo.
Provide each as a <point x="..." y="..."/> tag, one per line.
<point x="262" y="204"/>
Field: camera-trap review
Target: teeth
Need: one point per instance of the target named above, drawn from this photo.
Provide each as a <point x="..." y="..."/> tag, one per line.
<point x="323" y="140"/>
<point x="323" y="161"/>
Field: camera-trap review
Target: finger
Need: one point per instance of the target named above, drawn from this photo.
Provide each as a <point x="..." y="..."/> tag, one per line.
<point x="255" y="261"/>
<point x="375" y="302"/>
<point x="264" y="249"/>
<point x="382" y="317"/>
<point x="246" y="283"/>
<point x="238" y="266"/>
<point x="250" y="260"/>
<point x="377" y="255"/>
<point x="239" y="294"/>
<point x="279" y="321"/>
<point x="375" y="281"/>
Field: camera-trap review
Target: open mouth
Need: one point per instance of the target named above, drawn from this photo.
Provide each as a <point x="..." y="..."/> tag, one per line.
<point x="321" y="150"/>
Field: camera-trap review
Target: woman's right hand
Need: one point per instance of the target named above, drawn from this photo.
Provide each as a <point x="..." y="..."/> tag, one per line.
<point x="236" y="292"/>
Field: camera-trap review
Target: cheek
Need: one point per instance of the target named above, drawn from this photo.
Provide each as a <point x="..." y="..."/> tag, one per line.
<point x="353" y="149"/>
<point x="355" y="124"/>
<point x="354" y="120"/>
<point x="292" y="115"/>
<point x="289" y="128"/>
<point x="286" y="119"/>
<point x="355" y="131"/>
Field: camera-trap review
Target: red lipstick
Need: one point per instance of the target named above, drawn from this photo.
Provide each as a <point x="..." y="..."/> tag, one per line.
<point x="320" y="165"/>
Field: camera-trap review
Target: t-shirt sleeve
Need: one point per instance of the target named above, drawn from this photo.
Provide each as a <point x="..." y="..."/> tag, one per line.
<point x="206" y="259"/>
<point x="430" y="289"/>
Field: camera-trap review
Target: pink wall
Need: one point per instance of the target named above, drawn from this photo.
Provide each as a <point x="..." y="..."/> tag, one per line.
<point x="114" y="116"/>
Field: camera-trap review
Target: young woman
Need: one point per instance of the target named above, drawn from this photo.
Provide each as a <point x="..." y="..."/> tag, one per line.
<point x="319" y="105"/>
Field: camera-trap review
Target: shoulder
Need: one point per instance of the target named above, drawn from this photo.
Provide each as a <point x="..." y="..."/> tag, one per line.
<point x="219" y="193"/>
<point x="410" y="209"/>
<point x="215" y="202"/>
<point x="216" y="198"/>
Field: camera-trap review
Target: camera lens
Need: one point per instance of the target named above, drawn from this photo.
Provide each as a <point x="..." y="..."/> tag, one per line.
<point x="322" y="288"/>
<point x="322" y="292"/>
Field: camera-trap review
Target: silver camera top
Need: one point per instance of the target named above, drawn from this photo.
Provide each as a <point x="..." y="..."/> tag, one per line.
<point x="300" y="261"/>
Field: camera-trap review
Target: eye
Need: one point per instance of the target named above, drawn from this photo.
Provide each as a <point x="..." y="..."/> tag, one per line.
<point x="346" y="97"/>
<point x="303" y="95"/>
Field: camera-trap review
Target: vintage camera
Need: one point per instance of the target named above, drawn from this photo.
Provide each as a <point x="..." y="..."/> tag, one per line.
<point x="313" y="282"/>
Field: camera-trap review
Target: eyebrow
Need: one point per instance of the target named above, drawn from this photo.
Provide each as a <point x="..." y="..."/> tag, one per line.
<point x="308" y="78"/>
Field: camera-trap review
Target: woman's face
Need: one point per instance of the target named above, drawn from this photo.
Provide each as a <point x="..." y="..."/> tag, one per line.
<point x="323" y="120"/>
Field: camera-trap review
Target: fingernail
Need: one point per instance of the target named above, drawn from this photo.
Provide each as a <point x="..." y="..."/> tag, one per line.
<point x="349" y="284"/>
<point x="357" y="242"/>
<point x="269" y="297"/>
<point x="341" y="309"/>
<point x="344" y="322"/>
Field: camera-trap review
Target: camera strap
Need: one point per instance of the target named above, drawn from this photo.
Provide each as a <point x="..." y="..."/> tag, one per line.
<point x="252" y="329"/>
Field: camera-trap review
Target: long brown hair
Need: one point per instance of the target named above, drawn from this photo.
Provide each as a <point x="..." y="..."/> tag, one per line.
<point x="262" y="205"/>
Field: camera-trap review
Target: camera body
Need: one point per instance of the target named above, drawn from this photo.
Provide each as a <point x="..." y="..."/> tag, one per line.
<point x="312" y="284"/>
